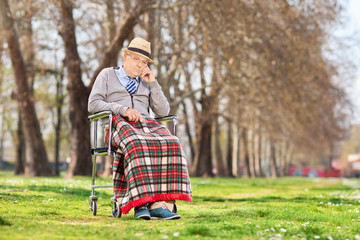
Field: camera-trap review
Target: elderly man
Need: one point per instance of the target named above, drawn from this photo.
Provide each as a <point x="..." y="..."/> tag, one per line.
<point x="151" y="171"/>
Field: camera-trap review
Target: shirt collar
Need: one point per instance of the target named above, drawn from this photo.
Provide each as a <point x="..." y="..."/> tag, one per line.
<point x="123" y="74"/>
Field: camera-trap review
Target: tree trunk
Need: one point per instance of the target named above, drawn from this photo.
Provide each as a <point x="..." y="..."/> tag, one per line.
<point x="111" y="28"/>
<point x="278" y="156"/>
<point x="256" y="152"/>
<point x="266" y="155"/>
<point x="220" y="171"/>
<point x="235" y="151"/>
<point x="59" y="106"/>
<point x="20" y="148"/>
<point x="260" y="155"/>
<point x="250" y="151"/>
<point x="28" y="46"/>
<point x="37" y="163"/>
<point x="251" y="145"/>
<point x="151" y="27"/>
<point x="286" y="159"/>
<point x="247" y="172"/>
<point x="289" y="159"/>
<point x="188" y="132"/>
<point x="80" y="128"/>
<point x="281" y="158"/>
<point x="274" y="173"/>
<point x="229" y="150"/>
<point x="203" y="156"/>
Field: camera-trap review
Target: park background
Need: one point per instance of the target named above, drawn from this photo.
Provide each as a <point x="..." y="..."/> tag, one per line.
<point x="261" y="89"/>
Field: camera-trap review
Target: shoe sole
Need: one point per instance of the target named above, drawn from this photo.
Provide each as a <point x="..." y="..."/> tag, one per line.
<point x="168" y="218"/>
<point x="145" y="217"/>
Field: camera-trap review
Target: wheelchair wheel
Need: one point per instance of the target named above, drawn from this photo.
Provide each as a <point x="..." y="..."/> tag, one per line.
<point x="116" y="211"/>
<point x="93" y="207"/>
<point x="174" y="208"/>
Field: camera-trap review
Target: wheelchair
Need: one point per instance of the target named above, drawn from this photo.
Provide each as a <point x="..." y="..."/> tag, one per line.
<point x="109" y="150"/>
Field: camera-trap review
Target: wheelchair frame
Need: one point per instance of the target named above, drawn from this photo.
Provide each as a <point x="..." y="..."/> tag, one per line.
<point x="108" y="150"/>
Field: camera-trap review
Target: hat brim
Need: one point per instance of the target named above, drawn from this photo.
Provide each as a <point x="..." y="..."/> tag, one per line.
<point x="129" y="51"/>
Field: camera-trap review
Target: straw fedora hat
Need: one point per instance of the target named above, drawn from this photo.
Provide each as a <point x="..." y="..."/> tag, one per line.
<point x="139" y="46"/>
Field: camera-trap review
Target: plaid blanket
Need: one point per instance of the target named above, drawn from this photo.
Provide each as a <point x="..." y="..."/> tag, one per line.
<point x="152" y="165"/>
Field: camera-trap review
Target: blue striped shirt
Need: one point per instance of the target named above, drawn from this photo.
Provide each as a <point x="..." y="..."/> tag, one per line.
<point x="124" y="78"/>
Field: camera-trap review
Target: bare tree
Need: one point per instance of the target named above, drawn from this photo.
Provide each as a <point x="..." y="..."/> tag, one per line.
<point x="36" y="157"/>
<point x="78" y="92"/>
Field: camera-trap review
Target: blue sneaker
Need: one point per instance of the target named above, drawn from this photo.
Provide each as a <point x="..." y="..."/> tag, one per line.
<point x="142" y="212"/>
<point x="163" y="213"/>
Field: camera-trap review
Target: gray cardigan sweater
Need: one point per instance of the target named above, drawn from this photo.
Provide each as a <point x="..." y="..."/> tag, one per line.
<point x="109" y="94"/>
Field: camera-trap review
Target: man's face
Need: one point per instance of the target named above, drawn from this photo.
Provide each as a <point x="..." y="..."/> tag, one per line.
<point x="134" y="64"/>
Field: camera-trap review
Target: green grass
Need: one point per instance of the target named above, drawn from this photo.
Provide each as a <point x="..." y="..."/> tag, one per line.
<point x="287" y="208"/>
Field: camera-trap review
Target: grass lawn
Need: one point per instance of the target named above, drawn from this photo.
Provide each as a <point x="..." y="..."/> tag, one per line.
<point x="287" y="208"/>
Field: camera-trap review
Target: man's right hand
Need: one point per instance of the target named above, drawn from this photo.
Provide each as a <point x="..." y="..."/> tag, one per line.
<point x="133" y="115"/>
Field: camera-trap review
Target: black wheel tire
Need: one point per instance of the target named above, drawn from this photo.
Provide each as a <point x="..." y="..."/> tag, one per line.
<point x="116" y="212"/>
<point x="93" y="207"/>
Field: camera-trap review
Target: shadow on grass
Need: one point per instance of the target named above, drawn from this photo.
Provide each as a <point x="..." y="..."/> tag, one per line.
<point x="73" y="193"/>
<point x="3" y="222"/>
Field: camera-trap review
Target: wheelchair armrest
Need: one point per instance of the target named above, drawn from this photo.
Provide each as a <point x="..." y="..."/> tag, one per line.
<point x="99" y="151"/>
<point x="166" y="118"/>
<point x="106" y="113"/>
<point x="99" y="115"/>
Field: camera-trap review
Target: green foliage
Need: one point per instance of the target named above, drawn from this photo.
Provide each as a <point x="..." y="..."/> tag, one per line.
<point x="287" y="208"/>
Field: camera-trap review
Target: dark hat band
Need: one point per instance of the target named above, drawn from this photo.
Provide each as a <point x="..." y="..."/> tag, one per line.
<point x="138" y="50"/>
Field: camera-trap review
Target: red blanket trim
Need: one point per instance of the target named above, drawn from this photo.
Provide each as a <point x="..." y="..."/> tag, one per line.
<point x="159" y="197"/>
